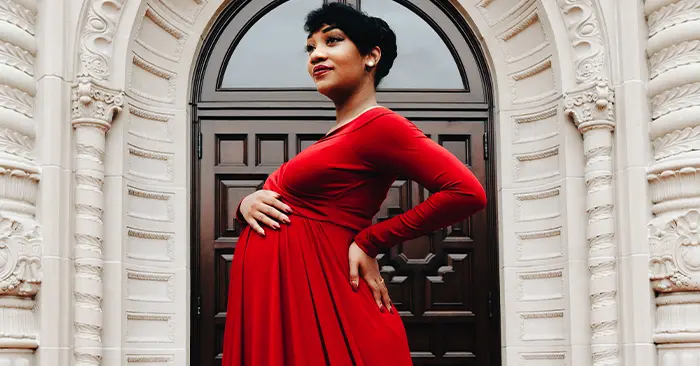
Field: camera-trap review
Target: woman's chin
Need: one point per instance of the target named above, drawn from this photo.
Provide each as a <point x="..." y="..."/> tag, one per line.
<point x="324" y="88"/>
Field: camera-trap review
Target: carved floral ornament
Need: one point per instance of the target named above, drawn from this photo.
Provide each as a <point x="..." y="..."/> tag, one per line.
<point x="100" y="25"/>
<point x="674" y="262"/>
<point x="586" y="36"/>
<point x="20" y="258"/>
<point x="94" y="104"/>
<point x="592" y="107"/>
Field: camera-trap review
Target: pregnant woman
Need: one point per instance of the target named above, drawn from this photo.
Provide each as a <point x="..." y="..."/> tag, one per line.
<point x="305" y="287"/>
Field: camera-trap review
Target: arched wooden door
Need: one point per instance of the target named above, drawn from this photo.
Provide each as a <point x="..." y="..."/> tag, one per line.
<point x="255" y="107"/>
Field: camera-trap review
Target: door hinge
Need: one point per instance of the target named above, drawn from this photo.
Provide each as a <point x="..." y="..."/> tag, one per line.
<point x="199" y="146"/>
<point x="199" y="306"/>
<point x="486" y="146"/>
<point x="490" y="305"/>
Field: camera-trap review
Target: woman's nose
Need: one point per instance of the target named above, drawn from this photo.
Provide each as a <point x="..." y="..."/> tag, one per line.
<point x="317" y="56"/>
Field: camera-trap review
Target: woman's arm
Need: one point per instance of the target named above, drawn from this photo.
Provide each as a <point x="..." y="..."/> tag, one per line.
<point x="395" y="145"/>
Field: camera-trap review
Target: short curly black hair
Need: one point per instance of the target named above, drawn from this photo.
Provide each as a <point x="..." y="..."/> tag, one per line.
<point x="363" y="30"/>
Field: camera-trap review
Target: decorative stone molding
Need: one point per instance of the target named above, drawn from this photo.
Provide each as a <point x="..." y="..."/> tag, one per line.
<point x="675" y="254"/>
<point x="674" y="232"/>
<point x="20" y="258"/>
<point x="592" y="111"/>
<point x="674" y="56"/>
<point x="20" y="278"/>
<point x="93" y="108"/>
<point x="677" y="324"/>
<point x="100" y="24"/>
<point x="673" y="13"/>
<point x="586" y="36"/>
<point x="20" y="240"/>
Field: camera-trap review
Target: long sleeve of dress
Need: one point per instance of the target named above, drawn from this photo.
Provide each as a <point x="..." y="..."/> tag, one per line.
<point x="394" y="145"/>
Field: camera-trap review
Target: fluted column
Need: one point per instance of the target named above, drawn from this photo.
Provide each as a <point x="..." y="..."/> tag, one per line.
<point x="20" y="241"/>
<point x="592" y="110"/>
<point x="94" y="106"/>
<point x="674" y="177"/>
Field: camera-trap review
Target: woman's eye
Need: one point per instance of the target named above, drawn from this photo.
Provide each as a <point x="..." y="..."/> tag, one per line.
<point x="330" y="40"/>
<point x="333" y="39"/>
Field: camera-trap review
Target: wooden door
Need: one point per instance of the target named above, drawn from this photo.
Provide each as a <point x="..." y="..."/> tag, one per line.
<point x="438" y="282"/>
<point x="445" y="284"/>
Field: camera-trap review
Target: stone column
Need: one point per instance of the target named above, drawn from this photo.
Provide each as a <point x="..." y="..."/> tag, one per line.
<point x="94" y="107"/>
<point x="20" y="242"/>
<point x="674" y="177"/>
<point x="592" y="111"/>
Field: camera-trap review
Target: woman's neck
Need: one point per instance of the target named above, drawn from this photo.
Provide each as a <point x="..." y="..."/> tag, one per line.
<point x="356" y="103"/>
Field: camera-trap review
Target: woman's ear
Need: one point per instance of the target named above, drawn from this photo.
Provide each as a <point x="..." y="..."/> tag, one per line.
<point x="372" y="59"/>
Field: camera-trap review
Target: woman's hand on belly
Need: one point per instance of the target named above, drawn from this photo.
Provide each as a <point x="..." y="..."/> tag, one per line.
<point x="264" y="207"/>
<point x="363" y="265"/>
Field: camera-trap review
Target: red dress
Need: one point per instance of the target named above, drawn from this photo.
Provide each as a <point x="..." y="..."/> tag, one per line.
<point x="290" y="302"/>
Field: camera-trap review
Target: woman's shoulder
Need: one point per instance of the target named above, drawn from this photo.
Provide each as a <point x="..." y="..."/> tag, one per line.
<point x="389" y="126"/>
<point x="387" y="113"/>
<point x="386" y="120"/>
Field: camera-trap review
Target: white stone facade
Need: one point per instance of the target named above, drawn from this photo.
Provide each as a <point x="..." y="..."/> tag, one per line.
<point x="598" y="156"/>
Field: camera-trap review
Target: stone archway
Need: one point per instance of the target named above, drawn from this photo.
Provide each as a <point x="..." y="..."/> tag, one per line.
<point x="144" y="228"/>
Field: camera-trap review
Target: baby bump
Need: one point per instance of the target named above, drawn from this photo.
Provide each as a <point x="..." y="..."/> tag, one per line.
<point x="308" y="259"/>
<point x="298" y="251"/>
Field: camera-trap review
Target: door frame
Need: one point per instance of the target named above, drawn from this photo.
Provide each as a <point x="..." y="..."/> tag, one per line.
<point x="199" y="110"/>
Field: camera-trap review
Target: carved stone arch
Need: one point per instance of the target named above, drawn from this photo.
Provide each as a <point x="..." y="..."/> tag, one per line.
<point x="148" y="154"/>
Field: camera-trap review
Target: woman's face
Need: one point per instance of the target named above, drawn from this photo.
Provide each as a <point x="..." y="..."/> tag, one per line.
<point x="335" y="64"/>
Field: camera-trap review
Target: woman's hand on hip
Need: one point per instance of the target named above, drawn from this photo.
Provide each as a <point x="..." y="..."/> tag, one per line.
<point x="264" y="207"/>
<point x="363" y="265"/>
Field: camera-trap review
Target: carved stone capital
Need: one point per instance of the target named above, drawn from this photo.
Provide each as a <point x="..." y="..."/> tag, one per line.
<point x="94" y="104"/>
<point x="674" y="258"/>
<point x="593" y="107"/>
<point x="20" y="258"/>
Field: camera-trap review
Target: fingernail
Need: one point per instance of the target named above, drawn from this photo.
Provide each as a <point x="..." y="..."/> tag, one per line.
<point x="354" y="285"/>
<point x="391" y="309"/>
<point x="382" y="308"/>
<point x="285" y="219"/>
